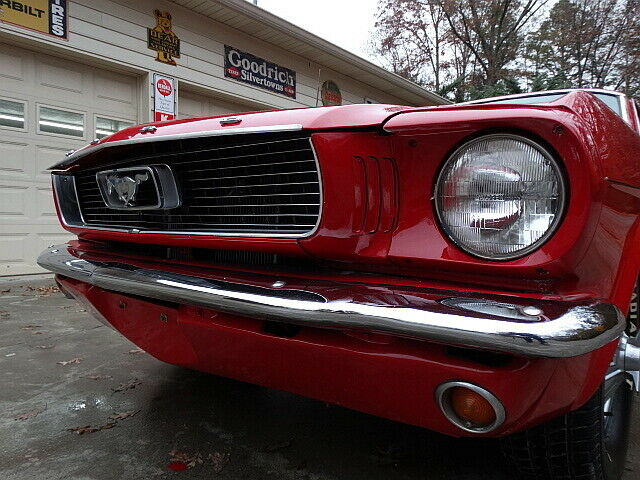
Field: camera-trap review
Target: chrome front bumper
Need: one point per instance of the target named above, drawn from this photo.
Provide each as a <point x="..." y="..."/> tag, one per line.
<point x="516" y="326"/>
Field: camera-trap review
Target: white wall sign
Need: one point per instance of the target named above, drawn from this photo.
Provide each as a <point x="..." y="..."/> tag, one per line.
<point x="164" y="98"/>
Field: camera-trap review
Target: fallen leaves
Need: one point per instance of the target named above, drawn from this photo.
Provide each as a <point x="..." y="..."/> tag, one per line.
<point x="44" y="347"/>
<point x="98" y="377"/>
<point x="131" y="384"/>
<point x="30" y="327"/>
<point x="8" y="290"/>
<point x="181" y="461"/>
<point x="70" y="362"/>
<point x="30" y="414"/>
<point x="113" y="421"/>
<point x="4" y="314"/>
<point x="186" y="459"/>
<point x="90" y="429"/>
<point x="123" y="415"/>
<point x="177" y="466"/>
<point x="44" y="291"/>
<point x="135" y="350"/>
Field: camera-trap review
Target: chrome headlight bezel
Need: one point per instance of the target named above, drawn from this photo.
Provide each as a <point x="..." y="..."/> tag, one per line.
<point x="562" y="196"/>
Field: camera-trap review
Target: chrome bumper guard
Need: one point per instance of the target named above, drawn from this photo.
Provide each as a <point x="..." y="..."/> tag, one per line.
<point x="515" y="326"/>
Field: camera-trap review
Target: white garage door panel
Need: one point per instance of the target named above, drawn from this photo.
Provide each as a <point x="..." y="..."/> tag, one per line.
<point x="16" y="246"/>
<point x="14" y="162"/>
<point x="13" y="201"/>
<point x="55" y="78"/>
<point x="45" y="156"/>
<point x="12" y="66"/>
<point x="28" y="223"/>
<point x="117" y="89"/>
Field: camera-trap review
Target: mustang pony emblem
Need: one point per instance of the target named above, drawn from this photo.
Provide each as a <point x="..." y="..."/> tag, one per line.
<point x="126" y="187"/>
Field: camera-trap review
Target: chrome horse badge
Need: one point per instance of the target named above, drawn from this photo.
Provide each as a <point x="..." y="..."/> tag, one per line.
<point x="126" y="187"/>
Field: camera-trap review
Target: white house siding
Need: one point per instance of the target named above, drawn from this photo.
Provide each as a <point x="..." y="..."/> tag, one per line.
<point x="117" y="30"/>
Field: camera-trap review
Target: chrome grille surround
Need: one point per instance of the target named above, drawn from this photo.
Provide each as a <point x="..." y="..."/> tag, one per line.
<point x="265" y="184"/>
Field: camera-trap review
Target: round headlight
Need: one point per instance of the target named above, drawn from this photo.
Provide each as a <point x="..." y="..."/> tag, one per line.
<point x="500" y="196"/>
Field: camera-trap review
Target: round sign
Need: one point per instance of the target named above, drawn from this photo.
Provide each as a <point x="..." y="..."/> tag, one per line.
<point x="330" y="94"/>
<point x="164" y="87"/>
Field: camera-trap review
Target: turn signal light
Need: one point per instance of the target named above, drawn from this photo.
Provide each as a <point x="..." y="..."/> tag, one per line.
<point x="471" y="407"/>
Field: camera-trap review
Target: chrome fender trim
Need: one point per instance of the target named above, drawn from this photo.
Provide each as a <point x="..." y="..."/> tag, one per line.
<point x="575" y="331"/>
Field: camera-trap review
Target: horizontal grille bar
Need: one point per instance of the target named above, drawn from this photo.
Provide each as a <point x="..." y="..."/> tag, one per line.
<point x="264" y="184"/>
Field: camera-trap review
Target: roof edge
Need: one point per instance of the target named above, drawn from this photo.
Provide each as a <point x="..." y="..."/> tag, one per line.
<point x="257" y="13"/>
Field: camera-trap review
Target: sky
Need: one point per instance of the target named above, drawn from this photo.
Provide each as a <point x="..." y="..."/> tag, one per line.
<point x="346" y="23"/>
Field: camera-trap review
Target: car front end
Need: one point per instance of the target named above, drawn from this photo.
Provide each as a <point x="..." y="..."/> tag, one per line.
<point x="462" y="268"/>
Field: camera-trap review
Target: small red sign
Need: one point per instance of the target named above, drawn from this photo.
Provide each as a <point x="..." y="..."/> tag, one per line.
<point x="234" y="72"/>
<point x="161" y="117"/>
<point x="164" y="87"/>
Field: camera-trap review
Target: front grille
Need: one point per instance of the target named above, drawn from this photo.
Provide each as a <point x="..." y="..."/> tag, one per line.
<point x="246" y="184"/>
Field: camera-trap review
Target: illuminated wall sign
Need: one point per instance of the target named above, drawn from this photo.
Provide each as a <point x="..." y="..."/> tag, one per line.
<point x="247" y="68"/>
<point x="330" y="94"/>
<point x="162" y="39"/>
<point x="164" y="98"/>
<point x="44" y="16"/>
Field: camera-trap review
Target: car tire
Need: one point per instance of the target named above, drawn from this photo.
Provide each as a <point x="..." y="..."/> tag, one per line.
<point x="586" y="444"/>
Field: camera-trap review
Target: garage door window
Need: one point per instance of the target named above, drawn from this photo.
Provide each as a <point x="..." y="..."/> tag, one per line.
<point x="12" y="114"/>
<point x="109" y="126"/>
<point x="61" y="122"/>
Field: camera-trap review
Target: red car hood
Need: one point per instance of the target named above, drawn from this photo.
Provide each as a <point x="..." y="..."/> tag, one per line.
<point x="321" y="118"/>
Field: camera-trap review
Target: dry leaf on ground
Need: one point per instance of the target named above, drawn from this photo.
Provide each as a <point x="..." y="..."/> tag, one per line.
<point x="188" y="459"/>
<point x="123" y="415"/>
<point x="98" y="377"/>
<point x="46" y="291"/>
<point x="44" y="347"/>
<point x="30" y="327"/>
<point x="131" y="384"/>
<point x="90" y="429"/>
<point x="136" y="350"/>
<point x="69" y="362"/>
<point x="30" y="414"/>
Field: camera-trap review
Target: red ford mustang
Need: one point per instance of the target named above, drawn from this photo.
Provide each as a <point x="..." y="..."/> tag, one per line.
<point x="464" y="268"/>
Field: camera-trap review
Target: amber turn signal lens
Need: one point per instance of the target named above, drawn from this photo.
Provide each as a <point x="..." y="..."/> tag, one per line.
<point x="471" y="407"/>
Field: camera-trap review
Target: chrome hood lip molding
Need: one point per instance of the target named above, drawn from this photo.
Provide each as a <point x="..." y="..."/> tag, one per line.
<point x="577" y="330"/>
<point x="146" y="138"/>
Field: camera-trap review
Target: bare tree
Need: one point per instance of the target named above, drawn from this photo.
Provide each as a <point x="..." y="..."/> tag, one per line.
<point x="590" y="42"/>
<point x="473" y="48"/>
<point x="412" y="35"/>
<point x="491" y="29"/>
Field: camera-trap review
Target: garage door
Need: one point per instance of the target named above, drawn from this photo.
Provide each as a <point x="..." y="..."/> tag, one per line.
<point x="195" y="105"/>
<point x="48" y="106"/>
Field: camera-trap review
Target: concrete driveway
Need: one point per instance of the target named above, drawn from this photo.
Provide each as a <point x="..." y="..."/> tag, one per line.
<point x="78" y="401"/>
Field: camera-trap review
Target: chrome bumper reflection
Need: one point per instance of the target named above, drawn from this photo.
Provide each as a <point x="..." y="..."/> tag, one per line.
<point x="560" y="330"/>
